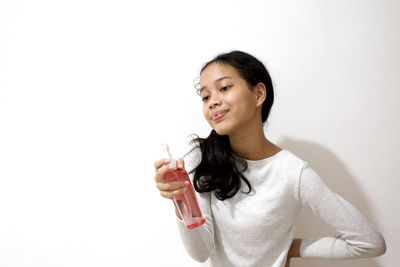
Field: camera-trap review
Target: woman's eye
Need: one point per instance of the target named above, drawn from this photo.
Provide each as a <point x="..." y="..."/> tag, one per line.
<point x="225" y="88"/>
<point x="204" y="98"/>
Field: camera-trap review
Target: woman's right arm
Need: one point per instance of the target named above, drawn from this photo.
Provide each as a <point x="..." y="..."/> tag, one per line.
<point x="168" y="189"/>
<point x="198" y="242"/>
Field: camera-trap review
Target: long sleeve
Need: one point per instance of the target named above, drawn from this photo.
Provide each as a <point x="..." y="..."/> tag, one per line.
<point x="356" y="238"/>
<point x="199" y="242"/>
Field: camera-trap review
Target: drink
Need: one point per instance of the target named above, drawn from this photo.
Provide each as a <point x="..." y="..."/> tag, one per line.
<point x="187" y="203"/>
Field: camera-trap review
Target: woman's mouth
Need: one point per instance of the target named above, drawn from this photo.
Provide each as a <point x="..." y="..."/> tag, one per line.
<point x="218" y="116"/>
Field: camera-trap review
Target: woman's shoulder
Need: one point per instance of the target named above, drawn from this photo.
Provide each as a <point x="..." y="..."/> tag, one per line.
<point x="291" y="157"/>
<point x="291" y="160"/>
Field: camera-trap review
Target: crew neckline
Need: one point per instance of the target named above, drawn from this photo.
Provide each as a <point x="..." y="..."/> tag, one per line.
<point x="267" y="159"/>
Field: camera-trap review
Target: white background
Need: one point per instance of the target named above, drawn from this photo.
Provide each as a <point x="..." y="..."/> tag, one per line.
<point x="90" y="89"/>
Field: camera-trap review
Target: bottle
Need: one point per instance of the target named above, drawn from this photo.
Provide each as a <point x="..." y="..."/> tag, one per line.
<point x="187" y="203"/>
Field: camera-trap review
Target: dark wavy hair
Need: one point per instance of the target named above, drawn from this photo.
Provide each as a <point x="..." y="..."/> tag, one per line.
<point x="219" y="170"/>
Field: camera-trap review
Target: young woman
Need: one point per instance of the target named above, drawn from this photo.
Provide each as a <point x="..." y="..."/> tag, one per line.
<point x="251" y="190"/>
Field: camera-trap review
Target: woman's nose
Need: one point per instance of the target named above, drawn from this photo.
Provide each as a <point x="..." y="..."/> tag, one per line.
<point x="215" y="101"/>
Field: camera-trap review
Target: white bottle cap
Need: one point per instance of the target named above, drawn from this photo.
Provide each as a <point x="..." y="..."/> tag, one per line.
<point x="167" y="153"/>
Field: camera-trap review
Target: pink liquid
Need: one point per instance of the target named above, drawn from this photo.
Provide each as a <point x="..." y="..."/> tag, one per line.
<point x="187" y="203"/>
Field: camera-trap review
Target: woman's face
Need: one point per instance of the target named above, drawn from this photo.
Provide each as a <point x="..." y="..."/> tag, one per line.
<point x="229" y="105"/>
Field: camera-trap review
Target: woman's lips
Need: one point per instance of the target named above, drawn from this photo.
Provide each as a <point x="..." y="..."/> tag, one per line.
<point x="219" y="115"/>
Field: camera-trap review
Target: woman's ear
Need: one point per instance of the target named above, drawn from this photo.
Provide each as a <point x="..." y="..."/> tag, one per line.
<point x="261" y="93"/>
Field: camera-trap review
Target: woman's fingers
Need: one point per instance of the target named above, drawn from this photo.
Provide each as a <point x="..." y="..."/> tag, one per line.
<point x="171" y="189"/>
<point x="162" y="168"/>
<point x="171" y="194"/>
<point x="180" y="163"/>
<point x="171" y="186"/>
<point x="159" y="163"/>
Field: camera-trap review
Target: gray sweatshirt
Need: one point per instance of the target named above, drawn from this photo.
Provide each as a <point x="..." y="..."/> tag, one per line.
<point x="257" y="229"/>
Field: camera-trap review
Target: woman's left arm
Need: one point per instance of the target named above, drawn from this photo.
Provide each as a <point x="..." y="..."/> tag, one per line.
<point x="357" y="237"/>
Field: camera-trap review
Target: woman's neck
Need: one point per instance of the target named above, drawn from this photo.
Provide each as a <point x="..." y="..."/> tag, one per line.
<point x="253" y="145"/>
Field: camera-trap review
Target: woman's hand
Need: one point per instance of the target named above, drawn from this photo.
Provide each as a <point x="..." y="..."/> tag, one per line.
<point x="168" y="189"/>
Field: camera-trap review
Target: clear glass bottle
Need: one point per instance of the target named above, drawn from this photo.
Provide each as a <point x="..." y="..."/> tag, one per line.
<point x="187" y="203"/>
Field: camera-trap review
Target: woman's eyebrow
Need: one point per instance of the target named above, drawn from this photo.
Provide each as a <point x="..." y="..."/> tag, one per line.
<point x="216" y="80"/>
<point x="220" y="79"/>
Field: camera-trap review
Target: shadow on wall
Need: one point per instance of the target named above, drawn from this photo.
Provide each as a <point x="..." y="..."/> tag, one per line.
<point x="335" y="175"/>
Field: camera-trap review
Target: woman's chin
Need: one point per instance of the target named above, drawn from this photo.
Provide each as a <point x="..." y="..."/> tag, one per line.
<point x="221" y="130"/>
